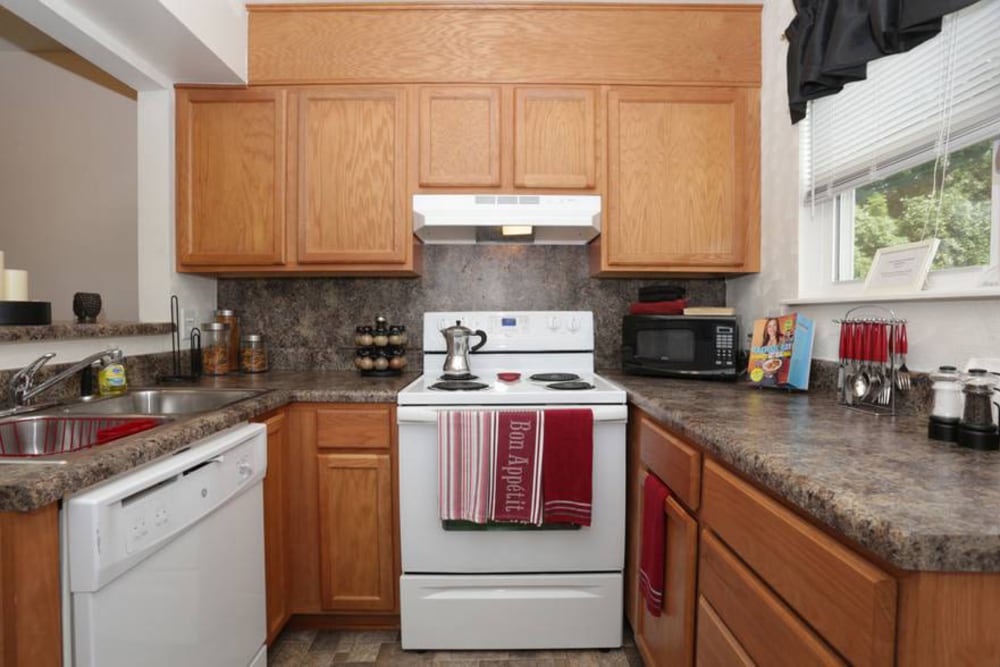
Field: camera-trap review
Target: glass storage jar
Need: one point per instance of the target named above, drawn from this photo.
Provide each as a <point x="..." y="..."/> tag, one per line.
<point x="253" y="354"/>
<point x="229" y="317"/>
<point x="215" y="348"/>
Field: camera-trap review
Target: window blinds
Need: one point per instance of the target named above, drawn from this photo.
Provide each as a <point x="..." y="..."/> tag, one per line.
<point x="945" y="90"/>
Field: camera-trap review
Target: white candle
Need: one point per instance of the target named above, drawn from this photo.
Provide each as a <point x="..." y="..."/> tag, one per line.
<point x="15" y="285"/>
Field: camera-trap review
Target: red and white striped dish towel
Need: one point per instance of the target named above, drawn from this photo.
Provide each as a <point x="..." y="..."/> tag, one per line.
<point x="466" y="446"/>
<point x="490" y="465"/>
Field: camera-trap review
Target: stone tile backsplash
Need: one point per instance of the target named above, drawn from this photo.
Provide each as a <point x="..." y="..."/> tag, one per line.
<point x="309" y="322"/>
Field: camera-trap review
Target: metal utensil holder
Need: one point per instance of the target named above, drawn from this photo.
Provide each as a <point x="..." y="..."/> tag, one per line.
<point x="852" y="365"/>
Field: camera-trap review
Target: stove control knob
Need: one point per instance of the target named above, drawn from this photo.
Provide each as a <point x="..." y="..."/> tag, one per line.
<point x="574" y="324"/>
<point x="553" y="323"/>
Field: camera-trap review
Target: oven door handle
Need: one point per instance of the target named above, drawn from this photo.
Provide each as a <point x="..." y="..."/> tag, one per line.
<point x="412" y="414"/>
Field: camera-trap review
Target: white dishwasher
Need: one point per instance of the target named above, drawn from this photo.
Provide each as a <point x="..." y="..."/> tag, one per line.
<point x="165" y="565"/>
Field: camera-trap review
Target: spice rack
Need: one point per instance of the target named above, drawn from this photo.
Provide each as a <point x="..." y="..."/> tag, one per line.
<point x="380" y="351"/>
<point x="872" y="344"/>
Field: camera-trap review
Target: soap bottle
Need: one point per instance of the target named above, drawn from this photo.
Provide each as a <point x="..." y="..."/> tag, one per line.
<point x="111" y="379"/>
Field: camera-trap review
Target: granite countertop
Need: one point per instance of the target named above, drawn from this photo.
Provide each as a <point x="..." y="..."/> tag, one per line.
<point x="30" y="486"/>
<point x="917" y="503"/>
<point x="70" y="330"/>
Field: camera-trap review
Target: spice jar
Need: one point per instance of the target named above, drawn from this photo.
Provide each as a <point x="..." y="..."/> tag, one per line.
<point x="381" y="361"/>
<point x="381" y="335"/>
<point x="253" y="354"/>
<point x="397" y="359"/>
<point x="364" y="360"/>
<point x="394" y="335"/>
<point x="215" y="348"/>
<point x="403" y="338"/>
<point x="363" y="336"/>
<point x="229" y="317"/>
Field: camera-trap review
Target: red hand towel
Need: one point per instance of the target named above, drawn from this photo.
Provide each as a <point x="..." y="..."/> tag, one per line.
<point x="654" y="542"/>
<point x="517" y="480"/>
<point x="567" y="471"/>
<point x="675" y="307"/>
<point x="465" y="464"/>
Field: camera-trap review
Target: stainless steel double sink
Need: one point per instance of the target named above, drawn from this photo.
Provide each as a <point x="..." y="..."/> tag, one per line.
<point x="87" y="422"/>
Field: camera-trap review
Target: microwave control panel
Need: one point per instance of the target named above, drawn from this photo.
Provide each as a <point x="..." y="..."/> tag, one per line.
<point x="725" y="346"/>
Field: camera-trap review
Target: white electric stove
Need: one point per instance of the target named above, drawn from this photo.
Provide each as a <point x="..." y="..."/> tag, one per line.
<point x="495" y="588"/>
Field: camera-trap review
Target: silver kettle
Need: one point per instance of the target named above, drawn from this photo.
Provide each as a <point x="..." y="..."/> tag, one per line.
<point x="457" y="343"/>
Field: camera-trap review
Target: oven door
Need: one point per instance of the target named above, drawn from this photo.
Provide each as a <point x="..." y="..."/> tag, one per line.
<point x="428" y="548"/>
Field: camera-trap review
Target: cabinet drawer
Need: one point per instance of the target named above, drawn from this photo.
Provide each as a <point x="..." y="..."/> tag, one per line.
<point x="365" y="427"/>
<point x="845" y="598"/>
<point x="717" y="647"/>
<point x="671" y="459"/>
<point x="763" y="625"/>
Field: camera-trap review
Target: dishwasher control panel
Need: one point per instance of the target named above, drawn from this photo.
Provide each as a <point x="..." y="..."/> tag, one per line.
<point x="112" y="525"/>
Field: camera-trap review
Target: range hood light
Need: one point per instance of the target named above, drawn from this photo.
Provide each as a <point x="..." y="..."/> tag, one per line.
<point x="517" y="230"/>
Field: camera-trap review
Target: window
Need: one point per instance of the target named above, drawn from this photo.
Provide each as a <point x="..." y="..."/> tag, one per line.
<point x="921" y="202"/>
<point x="913" y="152"/>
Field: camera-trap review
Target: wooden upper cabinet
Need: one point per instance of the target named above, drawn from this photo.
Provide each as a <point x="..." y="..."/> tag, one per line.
<point x="230" y="177"/>
<point x="459" y="130"/>
<point x="352" y="204"/>
<point x="507" y="137"/>
<point x="555" y="137"/>
<point x="683" y="180"/>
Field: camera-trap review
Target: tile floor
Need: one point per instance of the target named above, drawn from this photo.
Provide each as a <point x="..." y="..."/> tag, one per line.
<point x="319" y="648"/>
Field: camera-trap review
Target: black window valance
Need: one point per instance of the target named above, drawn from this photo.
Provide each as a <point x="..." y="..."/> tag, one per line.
<point x="831" y="42"/>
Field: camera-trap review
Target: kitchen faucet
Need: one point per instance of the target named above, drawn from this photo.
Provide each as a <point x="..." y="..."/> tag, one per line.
<point x="21" y="385"/>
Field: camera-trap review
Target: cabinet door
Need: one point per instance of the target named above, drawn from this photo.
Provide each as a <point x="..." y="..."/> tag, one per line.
<point x="554" y="137"/>
<point x="352" y="206"/>
<point x="274" y="525"/>
<point x="682" y="179"/>
<point x="459" y="133"/>
<point x="230" y="177"/>
<point x="668" y="639"/>
<point x="356" y="532"/>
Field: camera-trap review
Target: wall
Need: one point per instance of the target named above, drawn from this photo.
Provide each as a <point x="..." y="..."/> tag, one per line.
<point x="939" y="331"/>
<point x="68" y="185"/>
<point x="310" y="322"/>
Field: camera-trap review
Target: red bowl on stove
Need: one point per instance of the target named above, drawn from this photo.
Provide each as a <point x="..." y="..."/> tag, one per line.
<point x="509" y="376"/>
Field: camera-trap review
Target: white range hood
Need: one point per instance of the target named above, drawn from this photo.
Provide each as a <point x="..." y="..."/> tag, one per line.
<point x="539" y="219"/>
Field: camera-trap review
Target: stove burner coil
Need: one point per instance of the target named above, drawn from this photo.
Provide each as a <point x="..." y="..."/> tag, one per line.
<point x="555" y="377"/>
<point x="570" y="386"/>
<point x="459" y="385"/>
<point x="449" y="377"/>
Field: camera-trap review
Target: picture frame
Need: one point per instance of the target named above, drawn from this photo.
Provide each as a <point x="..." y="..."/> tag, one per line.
<point x="901" y="269"/>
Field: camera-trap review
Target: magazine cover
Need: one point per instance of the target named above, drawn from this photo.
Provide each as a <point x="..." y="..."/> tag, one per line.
<point x="781" y="352"/>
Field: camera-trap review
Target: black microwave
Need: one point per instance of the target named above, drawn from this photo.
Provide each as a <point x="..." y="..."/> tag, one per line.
<point x="680" y="346"/>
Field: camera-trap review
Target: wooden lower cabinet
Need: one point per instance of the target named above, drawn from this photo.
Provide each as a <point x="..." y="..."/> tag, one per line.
<point x="341" y="514"/>
<point x="274" y="522"/>
<point x="768" y="630"/>
<point x="356" y="532"/>
<point x="667" y="640"/>
<point x="30" y="621"/>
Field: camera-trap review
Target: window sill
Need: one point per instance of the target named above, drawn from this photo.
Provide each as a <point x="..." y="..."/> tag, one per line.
<point x="957" y="295"/>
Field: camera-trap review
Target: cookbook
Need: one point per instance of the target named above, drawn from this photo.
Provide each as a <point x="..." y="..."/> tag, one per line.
<point x="781" y="351"/>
